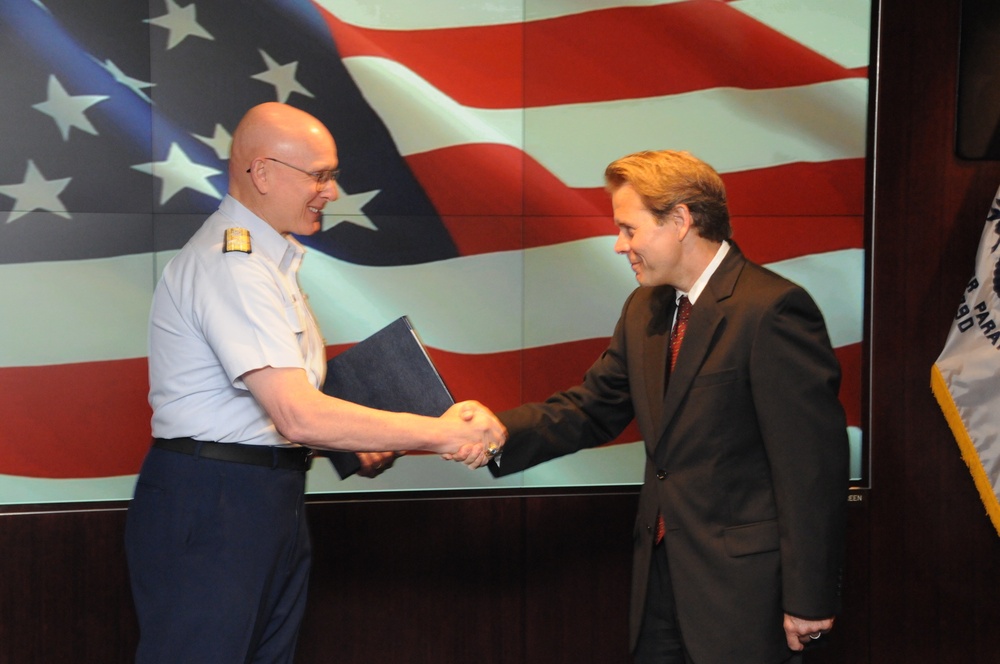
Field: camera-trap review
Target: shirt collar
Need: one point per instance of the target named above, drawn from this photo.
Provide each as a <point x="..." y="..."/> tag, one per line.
<point x="702" y="280"/>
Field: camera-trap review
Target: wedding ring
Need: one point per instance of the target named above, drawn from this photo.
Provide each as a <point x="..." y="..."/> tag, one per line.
<point x="816" y="635"/>
<point x="492" y="450"/>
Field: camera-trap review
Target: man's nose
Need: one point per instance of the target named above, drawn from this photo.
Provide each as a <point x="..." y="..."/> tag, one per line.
<point x="329" y="190"/>
<point x="621" y="244"/>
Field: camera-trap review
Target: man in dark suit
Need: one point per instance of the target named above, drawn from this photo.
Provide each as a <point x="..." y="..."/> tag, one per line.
<point x="741" y="523"/>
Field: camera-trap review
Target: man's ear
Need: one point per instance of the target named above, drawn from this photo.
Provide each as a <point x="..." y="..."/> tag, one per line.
<point x="259" y="175"/>
<point x="680" y="217"/>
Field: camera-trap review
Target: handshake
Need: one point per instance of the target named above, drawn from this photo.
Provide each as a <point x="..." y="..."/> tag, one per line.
<point x="469" y="432"/>
<point x="481" y="436"/>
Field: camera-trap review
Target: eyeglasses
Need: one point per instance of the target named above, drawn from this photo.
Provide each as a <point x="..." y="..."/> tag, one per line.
<point x="321" y="177"/>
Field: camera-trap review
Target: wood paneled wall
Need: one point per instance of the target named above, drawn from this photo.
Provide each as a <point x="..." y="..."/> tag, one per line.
<point x="934" y="563"/>
<point x="544" y="578"/>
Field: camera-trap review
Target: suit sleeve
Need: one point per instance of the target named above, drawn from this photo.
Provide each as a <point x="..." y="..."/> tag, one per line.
<point x="587" y="415"/>
<point x="796" y="378"/>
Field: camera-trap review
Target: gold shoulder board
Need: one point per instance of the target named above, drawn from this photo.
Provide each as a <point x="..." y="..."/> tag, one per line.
<point x="237" y="239"/>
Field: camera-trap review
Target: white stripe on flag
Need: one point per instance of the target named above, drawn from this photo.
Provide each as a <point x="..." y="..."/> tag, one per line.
<point x="472" y="304"/>
<point x="809" y="123"/>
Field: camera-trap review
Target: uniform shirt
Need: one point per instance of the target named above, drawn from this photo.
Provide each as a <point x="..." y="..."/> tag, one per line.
<point x="218" y="315"/>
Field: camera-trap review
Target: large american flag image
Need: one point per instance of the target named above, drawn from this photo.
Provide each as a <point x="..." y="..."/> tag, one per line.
<point x="473" y="139"/>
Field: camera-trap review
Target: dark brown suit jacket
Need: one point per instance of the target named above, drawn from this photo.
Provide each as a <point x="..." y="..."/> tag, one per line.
<point x="746" y="455"/>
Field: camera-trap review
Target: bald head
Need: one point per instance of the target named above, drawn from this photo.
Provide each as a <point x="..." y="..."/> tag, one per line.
<point x="276" y="149"/>
<point x="273" y="129"/>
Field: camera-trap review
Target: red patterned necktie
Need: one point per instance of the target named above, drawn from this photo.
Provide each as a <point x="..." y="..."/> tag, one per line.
<point x="676" y="338"/>
<point x="680" y="327"/>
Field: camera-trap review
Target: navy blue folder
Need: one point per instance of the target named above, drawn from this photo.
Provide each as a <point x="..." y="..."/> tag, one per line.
<point x="390" y="370"/>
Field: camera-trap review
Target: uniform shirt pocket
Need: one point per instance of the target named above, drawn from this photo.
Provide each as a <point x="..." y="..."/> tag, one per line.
<point x="295" y="316"/>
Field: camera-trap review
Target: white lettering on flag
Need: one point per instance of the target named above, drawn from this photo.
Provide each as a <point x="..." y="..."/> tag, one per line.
<point x="966" y="377"/>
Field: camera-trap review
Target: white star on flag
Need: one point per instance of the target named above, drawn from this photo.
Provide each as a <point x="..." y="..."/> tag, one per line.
<point x="179" y="172"/>
<point x="36" y="193"/>
<point x="282" y="77"/>
<point x="67" y="110"/>
<point x="220" y="141"/>
<point x="180" y="22"/>
<point x="348" y="207"/>
<point x="133" y="84"/>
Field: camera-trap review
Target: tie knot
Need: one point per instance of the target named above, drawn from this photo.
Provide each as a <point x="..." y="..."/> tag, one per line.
<point x="684" y="308"/>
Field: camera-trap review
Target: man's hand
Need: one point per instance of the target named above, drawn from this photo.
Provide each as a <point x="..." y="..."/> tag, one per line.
<point x="800" y="632"/>
<point x="489" y="435"/>
<point x="374" y="464"/>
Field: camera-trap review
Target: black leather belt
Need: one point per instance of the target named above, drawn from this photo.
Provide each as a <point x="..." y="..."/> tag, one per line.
<point x="286" y="458"/>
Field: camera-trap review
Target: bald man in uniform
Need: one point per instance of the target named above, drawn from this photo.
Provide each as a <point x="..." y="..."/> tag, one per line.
<point x="216" y="539"/>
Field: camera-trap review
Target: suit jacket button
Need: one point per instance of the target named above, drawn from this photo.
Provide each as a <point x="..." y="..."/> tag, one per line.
<point x="661" y="474"/>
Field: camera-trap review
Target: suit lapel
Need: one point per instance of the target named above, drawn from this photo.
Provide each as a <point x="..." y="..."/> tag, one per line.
<point x="655" y="354"/>
<point x="706" y="316"/>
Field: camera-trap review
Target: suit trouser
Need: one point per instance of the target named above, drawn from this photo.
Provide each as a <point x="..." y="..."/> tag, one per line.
<point x="219" y="557"/>
<point x="660" y="639"/>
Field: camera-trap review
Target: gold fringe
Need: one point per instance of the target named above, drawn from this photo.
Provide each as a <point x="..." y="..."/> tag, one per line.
<point x="965" y="444"/>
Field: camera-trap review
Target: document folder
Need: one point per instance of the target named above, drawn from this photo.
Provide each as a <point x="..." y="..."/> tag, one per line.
<point x="390" y="370"/>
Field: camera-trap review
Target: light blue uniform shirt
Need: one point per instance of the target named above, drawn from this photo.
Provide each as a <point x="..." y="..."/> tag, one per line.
<point x="218" y="315"/>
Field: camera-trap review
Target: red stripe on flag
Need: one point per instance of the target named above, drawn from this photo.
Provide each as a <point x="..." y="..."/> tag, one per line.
<point x="768" y="239"/>
<point x="76" y="434"/>
<point x="826" y="198"/>
<point x="505" y="380"/>
<point x="660" y="50"/>
<point x="827" y="188"/>
<point x="477" y="66"/>
<point x="803" y="188"/>
<point x="656" y="50"/>
<point x="479" y="179"/>
<point x="493" y="378"/>
<point x="502" y="180"/>
<point x="850" y="383"/>
<point x="77" y="420"/>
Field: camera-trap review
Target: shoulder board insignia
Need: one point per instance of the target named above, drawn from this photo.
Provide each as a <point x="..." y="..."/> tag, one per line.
<point x="237" y="239"/>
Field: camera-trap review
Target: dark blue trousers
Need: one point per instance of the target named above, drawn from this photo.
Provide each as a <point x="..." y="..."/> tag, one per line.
<point x="218" y="557"/>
